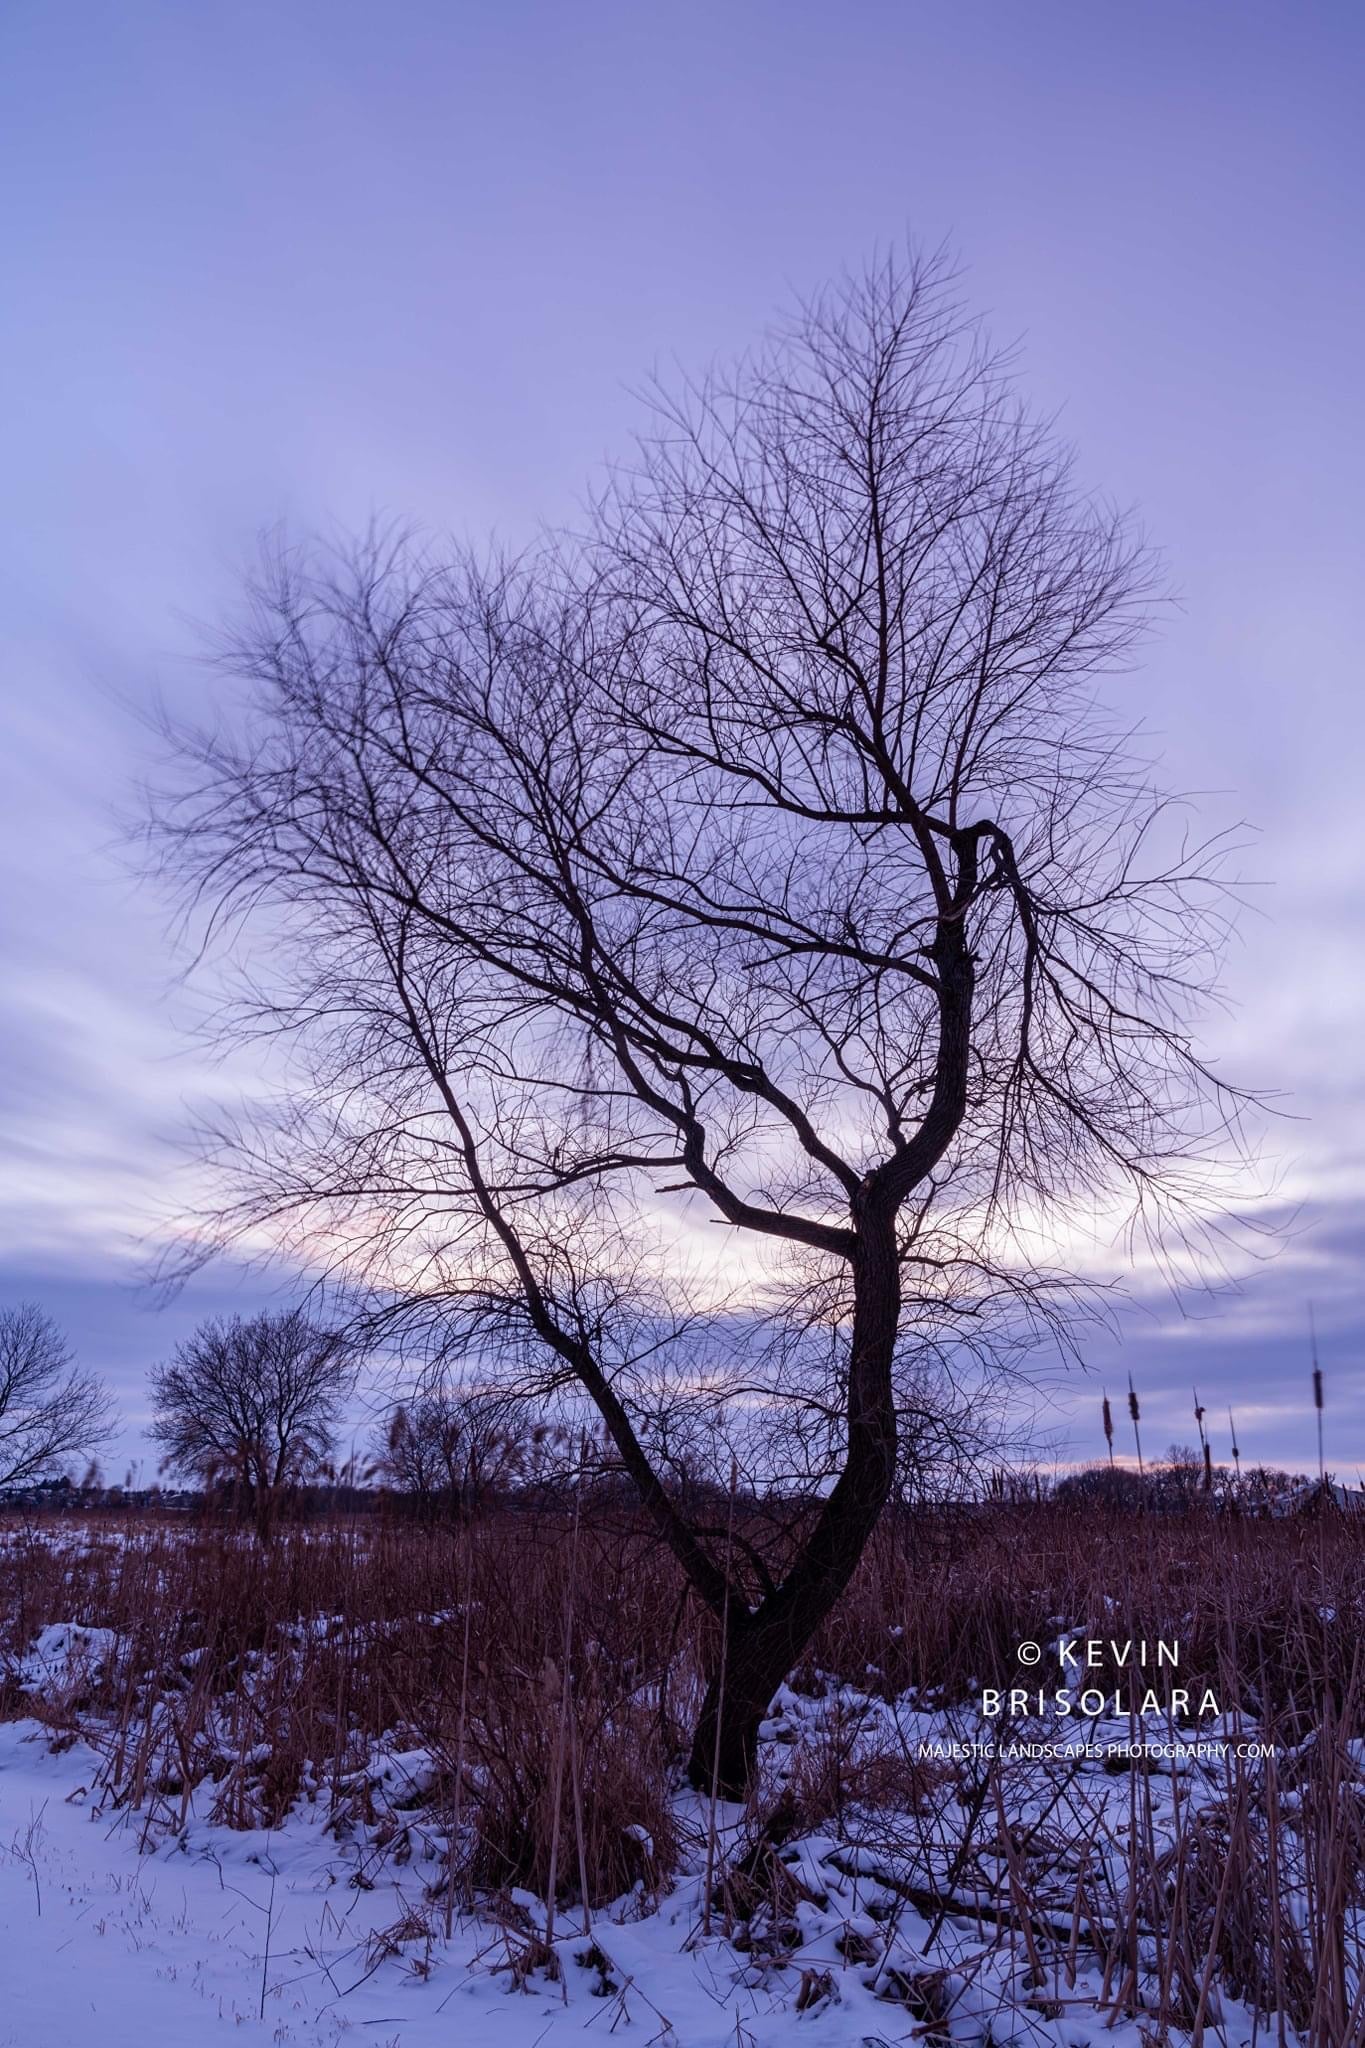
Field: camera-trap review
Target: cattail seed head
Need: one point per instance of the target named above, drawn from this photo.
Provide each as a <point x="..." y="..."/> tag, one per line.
<point x="1317" y="1388"/>
<point x="1108" y="1421"/>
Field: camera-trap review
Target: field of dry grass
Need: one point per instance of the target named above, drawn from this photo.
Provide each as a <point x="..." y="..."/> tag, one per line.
<point x="505" y="1705"/>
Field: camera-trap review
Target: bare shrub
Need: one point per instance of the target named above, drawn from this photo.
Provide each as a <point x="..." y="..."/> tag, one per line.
<point x="446" y="1451"/>
<point x="537" y="1746"/>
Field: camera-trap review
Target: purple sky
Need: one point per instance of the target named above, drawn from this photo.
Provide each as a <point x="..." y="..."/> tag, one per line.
<point x="304" y="261"/>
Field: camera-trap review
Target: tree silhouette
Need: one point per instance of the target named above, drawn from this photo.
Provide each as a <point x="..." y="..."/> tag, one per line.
<point x="255" y="1402"/>
<point x="721" y="951"/>
<point x="50" y="1409"/>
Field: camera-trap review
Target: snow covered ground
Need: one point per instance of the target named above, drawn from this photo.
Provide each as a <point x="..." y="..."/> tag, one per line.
<point x="126" y="1925"/>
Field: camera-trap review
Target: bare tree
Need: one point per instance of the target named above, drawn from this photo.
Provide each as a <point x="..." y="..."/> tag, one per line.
<point x="255" y="1402"/>
<point x="740" y="950"/>
<point x="447" y="1449"/>
<point x="50" y="1409"/>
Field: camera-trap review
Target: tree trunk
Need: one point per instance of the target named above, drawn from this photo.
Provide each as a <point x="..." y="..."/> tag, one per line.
<point x="765" y="1643"/>
<point x="725" y="1742"/>
<point x="263" y="1515"/>
<point x="763" y="1646"/>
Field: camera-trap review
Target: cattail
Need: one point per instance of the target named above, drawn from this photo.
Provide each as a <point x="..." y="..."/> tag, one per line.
<point x="1136" y="1414"/>
<point x="1109" y="1428"/>
<point x="1203" y="1442"/>
<point x="1236" y="1454"/>
<point x="1317" y="1391"/>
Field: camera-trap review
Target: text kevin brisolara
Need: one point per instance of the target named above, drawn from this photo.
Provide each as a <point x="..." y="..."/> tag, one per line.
<point x="1102" y="1675"/>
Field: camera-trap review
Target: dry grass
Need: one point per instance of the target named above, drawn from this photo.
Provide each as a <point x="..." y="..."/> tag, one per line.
<point x="519" y="1690"/>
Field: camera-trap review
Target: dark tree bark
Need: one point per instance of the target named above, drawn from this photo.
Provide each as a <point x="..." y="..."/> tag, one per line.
<point x="765" y="1643"/>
